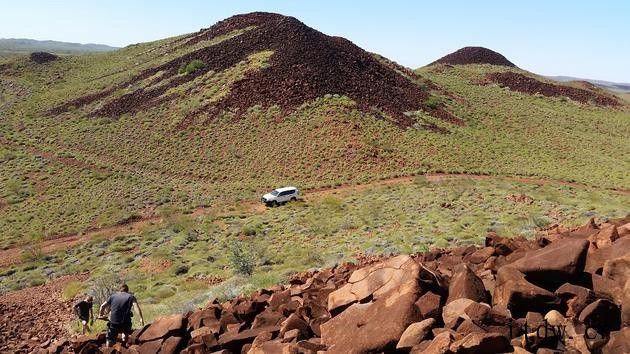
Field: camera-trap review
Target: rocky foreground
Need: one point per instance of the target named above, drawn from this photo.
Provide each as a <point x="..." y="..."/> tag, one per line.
<point x="566" y="291"/>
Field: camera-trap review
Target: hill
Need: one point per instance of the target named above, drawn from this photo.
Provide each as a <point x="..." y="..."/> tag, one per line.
<point x="23" y="45"/>
<point x="261" y="100"/>
<point x="474" y="55"/>
<point x="620" y="87"/>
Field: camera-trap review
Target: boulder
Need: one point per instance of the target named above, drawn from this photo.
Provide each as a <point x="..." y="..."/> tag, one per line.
<point x="555" y="264"/>
<point x="601" y="315"/>
<point x="481" y="255"/>
<point x="294" y="322"/>
<point x="575" y="297"/>
<point x="618" y="269"/>
<point x="204" y="335"/>
<point x="477" y="342"/>
<point x="171" y="345"/>
<point x="235" y="340"/>
<point x="465" y="284"/>
<point x="596" y="259"/>
<point x="377" y="325"/>
<point x="456" y="309"/>
<point x="439" y="345"/>
<point x="429" y="305"/>
<point x="619" y="342"/>
<point x="375" y="281"/>
<point x="519" y="295"/>
<point x="415" y="333"/>
<point x="162" y="327"/>
<point x="150" y="347"/>
<point x="605" y="236"/>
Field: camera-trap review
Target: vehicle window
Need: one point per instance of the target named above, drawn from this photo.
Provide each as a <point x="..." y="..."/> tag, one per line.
<point x="275" y="193"/>
<point x="285" y="193"/>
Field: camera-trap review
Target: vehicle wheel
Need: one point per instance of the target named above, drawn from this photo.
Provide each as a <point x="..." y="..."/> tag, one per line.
<point x="293" y="199"/>
<point x="275" y="204"/>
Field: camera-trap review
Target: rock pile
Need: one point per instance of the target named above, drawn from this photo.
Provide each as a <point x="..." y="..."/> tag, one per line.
<point x="474" y="55"/>
<point x="43" y="57"/>
<point x="35" y="316"/>
<point x="567" y="290"/>
<point x="522" y="83"/>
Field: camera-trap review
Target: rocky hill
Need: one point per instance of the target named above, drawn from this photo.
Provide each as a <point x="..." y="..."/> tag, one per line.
<point x="304" y="64"/>
<point x="564" y="291"/>
<point x="474" y="55"/>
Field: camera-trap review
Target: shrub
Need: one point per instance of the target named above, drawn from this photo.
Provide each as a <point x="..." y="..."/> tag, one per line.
<point x="181" y="270"/>
<point x="242" y="257"/>
<point x="191" y="67"/>
<point x="432" y="102"/>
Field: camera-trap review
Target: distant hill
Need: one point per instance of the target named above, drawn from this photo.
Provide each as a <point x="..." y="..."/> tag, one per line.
<point x="22" y="45"/>
<point x="474" y="55"/>
<point x="608" y="85"/>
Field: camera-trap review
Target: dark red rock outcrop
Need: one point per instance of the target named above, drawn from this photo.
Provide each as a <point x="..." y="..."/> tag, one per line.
<point x="474" y="55"/>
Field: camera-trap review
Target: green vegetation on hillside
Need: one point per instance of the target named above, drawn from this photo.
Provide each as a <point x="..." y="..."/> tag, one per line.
<point x="171" y="266"/>
<point x="67" y="173"/>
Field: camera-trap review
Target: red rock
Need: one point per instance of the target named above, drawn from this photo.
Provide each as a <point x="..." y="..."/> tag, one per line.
<point x="602" y="315"/>
<point x="268" y="317"/>
<point x="429" y="305"/>
<point x="375" y="281"/>
<point x="481" y="255"/>
<point x="466" y="284"/>
<point x="455" y="309"/>
<point x="519" y="295"/>
<point x="294" y="322"/>
<point x="204" y="335"/>
<point x="171" y="345"/>
<point x="150" y="347"/>
<point x="478" y="313"/>
<point x="196" y="319"/>
<point x="312" y="345"/>
<point x="619" y="342"/>
<point x="163" y="326"/>
<point x="415" y="333"/>
<point x="439" y="345"/>
<point x="477" y="342"/>
<point x="596" y="259"/>
<point x="554" y="264"/>
<point x="374" y="326"/>
<point x="234" y="340"/>
<point x="618" y="269"/>
<point x="575" y="297"/>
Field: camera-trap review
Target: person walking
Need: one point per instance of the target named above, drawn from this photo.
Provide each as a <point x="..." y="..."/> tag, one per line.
<point x="83" y="310"/>
<point x="119" y="305"/>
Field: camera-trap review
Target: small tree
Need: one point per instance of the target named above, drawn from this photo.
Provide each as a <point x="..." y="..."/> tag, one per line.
<point x="191" y="67"/>
<point x="242" y="257"/>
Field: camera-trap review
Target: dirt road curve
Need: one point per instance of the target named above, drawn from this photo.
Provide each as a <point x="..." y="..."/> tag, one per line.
<point x="13" y="255"/>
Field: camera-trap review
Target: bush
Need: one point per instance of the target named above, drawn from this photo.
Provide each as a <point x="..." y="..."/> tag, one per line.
<point x="191" y="67"/>
<point x="432" y="102"/>
<point x="242" y="258"/>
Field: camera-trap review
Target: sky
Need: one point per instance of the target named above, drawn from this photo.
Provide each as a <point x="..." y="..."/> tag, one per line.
<point x="587" y="39"/>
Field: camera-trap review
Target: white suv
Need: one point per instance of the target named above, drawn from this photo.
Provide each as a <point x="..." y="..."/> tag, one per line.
<point x="280" y="196"/>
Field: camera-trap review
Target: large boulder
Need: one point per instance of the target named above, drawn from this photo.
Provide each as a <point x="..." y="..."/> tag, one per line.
<point x="555" y="264"/>
<point x="619" y="342"/>
<point x="466" y="284"/>
<point x="455" y="309"/>
<point x="375" y="281"/>
<point x="575" y="298"/>
<point x="439" y="345"/>
<point x="602" y="315"/>
<point x="376" y="325"/>
<point x="520" y="296"/>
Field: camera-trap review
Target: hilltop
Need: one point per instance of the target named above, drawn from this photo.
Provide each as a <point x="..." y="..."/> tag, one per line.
<point x="474" y="55"/>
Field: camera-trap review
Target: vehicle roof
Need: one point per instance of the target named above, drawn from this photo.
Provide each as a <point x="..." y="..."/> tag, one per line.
<point x="285" y="189"/>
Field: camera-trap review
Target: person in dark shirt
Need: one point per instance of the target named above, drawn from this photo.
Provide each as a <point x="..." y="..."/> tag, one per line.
<point x="119" y="305"/>
<point x="83" y="310"/>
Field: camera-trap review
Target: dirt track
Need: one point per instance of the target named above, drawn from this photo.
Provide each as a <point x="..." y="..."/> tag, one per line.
<point x="14" y="255"/>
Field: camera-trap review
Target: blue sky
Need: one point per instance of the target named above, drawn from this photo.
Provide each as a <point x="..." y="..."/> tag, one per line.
<point x="588" y="39"/>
